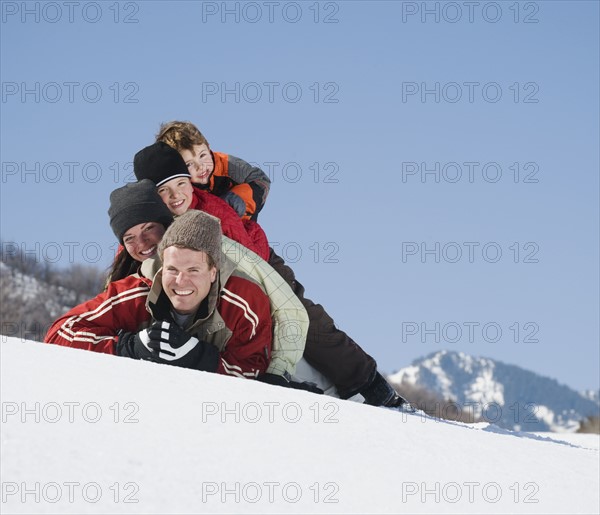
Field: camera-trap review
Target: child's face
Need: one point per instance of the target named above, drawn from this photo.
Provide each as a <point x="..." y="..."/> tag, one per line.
<point x="199" y="162"/>
<point x="177" y="194"/>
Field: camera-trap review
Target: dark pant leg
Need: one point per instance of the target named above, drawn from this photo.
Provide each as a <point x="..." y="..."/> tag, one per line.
<point x="331" y="351"/>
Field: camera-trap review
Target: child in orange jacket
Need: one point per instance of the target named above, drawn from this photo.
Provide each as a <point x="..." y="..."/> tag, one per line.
<point x="243" y="186"/>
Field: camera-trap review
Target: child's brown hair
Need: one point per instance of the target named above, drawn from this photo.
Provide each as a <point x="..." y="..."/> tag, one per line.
<point x="181" y="135"/>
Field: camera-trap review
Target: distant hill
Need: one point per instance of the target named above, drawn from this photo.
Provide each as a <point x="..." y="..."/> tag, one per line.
<point x="34" y="294"/>
<point x="507" y="395"/>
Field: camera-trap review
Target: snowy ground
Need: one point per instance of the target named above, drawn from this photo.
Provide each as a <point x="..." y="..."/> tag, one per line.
<point x="89" y="433"/>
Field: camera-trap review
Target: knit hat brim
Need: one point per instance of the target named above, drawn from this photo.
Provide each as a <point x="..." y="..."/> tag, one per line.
<point x="171" y="177"/>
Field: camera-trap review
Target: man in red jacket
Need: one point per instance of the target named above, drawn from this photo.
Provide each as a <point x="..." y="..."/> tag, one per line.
<point x="203" y="310"/>
<point x="197" y="313"/>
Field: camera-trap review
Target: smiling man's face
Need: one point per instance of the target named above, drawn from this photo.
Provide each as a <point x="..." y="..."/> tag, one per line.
<point x="186" y="278"/>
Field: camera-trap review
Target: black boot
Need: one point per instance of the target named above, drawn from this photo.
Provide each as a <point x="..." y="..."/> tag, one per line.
<point x="380" y="393"/>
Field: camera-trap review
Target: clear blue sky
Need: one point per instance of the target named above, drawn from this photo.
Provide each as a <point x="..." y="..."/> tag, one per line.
<point x="397" y="134"/>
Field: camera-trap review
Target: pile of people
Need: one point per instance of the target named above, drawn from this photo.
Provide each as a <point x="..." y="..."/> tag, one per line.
<point x="196" y="285"/>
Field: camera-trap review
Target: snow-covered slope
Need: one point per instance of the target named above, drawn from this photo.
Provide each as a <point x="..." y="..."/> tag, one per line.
<point x="90" y="433"/>
<point x="508" y="395"/>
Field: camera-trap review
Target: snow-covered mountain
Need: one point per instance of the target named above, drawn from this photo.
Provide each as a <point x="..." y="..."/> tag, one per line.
<point x="509" y="396"/>
<point x="592" y="395"/>
<point x="92" y="433"/>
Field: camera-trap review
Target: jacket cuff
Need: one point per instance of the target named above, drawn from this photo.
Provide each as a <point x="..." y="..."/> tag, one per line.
<point x="280" y="367"/>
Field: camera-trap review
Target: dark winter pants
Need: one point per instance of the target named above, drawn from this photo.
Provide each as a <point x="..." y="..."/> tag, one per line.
<point x="331" y="351"/>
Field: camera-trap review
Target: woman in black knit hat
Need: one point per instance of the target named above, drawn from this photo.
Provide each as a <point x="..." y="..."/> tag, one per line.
<point x="139" y="218"/>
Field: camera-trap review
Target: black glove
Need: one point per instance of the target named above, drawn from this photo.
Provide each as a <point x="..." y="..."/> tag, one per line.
<point x="165" y="342"/>
<point x="236" y="202"/>
<point x="278" y="380"/>
<point x="130" y="345"/>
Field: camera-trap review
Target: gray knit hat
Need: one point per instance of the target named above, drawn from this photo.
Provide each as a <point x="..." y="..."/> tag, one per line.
<point x="136" y="203"/>
<point x="194" y="230"/>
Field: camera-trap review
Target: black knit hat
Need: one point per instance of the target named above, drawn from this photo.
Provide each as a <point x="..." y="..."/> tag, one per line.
<point x="160" y="163"/>
<point x="136" y="203"/>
